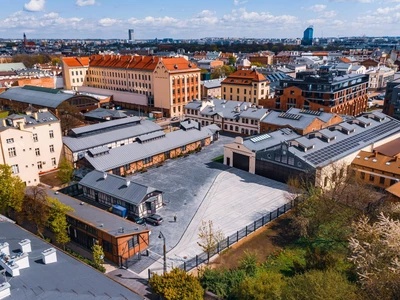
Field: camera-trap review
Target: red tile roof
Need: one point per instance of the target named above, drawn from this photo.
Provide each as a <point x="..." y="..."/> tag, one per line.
<point x="76" y="61"/>
<point x="394" y="189"/>
<point x="244" y="77"/>
<point x="178" y="64"/>
<point x="345" y="60"/>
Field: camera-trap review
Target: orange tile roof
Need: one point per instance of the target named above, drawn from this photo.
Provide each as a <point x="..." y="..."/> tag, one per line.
<point x="345" y="60"/>
<point x="391" y="148"/>
<point x="76" y="61"/>
<point x="378" y="161"/>
<point x="394" y="189"/>
<point x="178" y="64"/>
<point x="244" y="77"/>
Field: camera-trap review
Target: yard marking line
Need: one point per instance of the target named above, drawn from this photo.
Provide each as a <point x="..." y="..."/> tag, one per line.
<point x="129" y="270"/>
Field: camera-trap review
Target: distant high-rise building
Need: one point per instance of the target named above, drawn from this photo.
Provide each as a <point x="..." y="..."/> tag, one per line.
<point x="131" y="34"/>
<point x="308" y="36"/>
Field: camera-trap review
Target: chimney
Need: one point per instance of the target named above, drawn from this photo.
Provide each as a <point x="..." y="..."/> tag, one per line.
<point x="49" y="256"/>
<point x="25" y="246"/>
<point x="128" y="182"/>
<point x="104" y="176"/>
<point x="4" y="248"/>
<point x="198" y="126"/>
<point x="21" y="125"/>
<point x="3" y="122"/>
<point x="35" y="115"/>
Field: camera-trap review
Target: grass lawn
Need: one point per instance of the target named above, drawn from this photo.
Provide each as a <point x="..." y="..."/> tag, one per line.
<point x="266" y="242"/>
<point x="219" y="159"/>
<point x="3" y="114"/>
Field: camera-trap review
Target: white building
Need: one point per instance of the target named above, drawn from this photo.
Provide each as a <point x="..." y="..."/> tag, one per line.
<point x="31" y="144"/>
<point x="74" y="71"/>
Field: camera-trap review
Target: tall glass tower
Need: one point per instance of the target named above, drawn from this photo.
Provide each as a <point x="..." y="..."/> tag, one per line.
<point x="308" y="36"/>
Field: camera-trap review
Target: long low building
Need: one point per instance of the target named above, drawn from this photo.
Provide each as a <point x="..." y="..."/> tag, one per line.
<point x="110" y="134"/>
<point x="151" y="149"/>
<point x="315" y="154"/>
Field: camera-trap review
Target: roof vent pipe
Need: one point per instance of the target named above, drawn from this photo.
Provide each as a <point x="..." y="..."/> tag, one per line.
<point x="105" y="175"/>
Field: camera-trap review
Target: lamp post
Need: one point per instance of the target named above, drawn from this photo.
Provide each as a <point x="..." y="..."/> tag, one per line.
<point x="161" y="236"/>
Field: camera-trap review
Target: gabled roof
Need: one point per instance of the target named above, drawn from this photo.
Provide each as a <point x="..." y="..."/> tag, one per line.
<point x="116" y="186"/>
<point x="12" y="66"/>
<point x="245" y="77"/>
<point x="76" y="61"/>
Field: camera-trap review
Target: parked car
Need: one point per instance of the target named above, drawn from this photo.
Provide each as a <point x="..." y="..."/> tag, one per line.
<point x="137" y="220"/>
<point x="175" y="119"/>
<point x="154" y="219"/>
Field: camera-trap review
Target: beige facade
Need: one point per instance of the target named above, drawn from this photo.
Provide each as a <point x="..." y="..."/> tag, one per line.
<point x="168" y="83"/>
<point x="74" y="72"/>
<point x="379" y="77"/>
<point x="245" y="85"/>
<point x="31" y="144"/>
<point x="238" y="147"/>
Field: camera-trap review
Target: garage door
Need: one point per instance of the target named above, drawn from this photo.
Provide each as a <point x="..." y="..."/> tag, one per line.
<point x="241" y="161"/>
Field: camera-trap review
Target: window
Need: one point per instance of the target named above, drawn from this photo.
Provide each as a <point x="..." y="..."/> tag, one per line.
<point x="37" y="151"/>
<point x="107" y="246"/>
<point x="53" y="161"/>
<point x="81" y="72"/>
<point x="362" y="175"/>
<point x="148" y="160"/>
<point x="51" y="148"/>
<point x="72" y="73"/>
<point x="9" y="141"/>
<point x="382" y="180"/>
<point x="39" y="165"/>
<point x="371" y="177"/>
<point x="392" y="181"/>
<point x="35" y="137"/>
<point x="15" y="169"/>
<point x="51" y="134"/>
<point x="133" y="242"/>
<point x="183" y="148"/>
<point x="12" y="152"/>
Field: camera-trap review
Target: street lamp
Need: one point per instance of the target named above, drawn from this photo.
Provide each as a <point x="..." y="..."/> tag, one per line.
<point x="161" y="236"/>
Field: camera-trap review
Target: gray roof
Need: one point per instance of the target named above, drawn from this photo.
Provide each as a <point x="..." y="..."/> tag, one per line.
<point x="150" y="136"/>
<point x="136" y="151"/>
<point x="345" y="144"/>
<point x="11" y="66"/>
<point x="35" y="97"/>
<point x="267" y="140"/>
<point x="103" y="138"/>
<point x="213" y="83"/>
<point x="227" y="109"/>
<point x="96" y="217"/>
<point x="102" y="113"/>
<point x="189" y="124"/>
<point x="116" y="186"/>
<point x="305" y="119"/>
<point x="104" y="126"/>
<point x="66" y="279"/>
<point x="44" y="117"/>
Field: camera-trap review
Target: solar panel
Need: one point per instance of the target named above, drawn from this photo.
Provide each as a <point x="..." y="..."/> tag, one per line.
<point x="259" y="138"/>
<point x="290" y="116"/>
<point x="311" y="112"/>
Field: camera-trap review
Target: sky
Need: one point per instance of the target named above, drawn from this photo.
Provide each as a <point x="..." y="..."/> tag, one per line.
<point x="150" y="19"/>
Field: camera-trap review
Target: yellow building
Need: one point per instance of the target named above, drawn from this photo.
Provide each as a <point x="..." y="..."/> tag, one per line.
<point x="74" y="71"/>
<point x="168" y="82"/>
<point x="245" y="85"/>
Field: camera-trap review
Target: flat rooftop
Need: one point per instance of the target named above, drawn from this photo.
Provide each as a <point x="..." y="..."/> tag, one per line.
<point x="66" y="279"/>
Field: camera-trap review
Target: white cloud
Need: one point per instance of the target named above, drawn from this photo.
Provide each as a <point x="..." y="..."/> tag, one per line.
<point x="85" y="2"/>
<point x="329" y="14"/>
<point x="317" y="7"/>
<point x="107" y="22"/>
<point x="386" y="10"/>
<point x="237" y="2"/>
<point x="34" y="5"/>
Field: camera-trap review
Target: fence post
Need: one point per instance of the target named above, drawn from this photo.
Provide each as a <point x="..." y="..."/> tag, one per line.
<point x="197" y="260"/>
<point x="184" y="265"/>
<point x="263" y="221"/>
<point x="284" y="208"/>
<point x="227" y="241"/>
<point x="255" y="225"/>
<point x="237" y="236"/>
<point x="149" y="273"/>
<point x="270" y="216"/>
<point x="208" y="256"/>
<point x="218" y="248"/>
<point x="246" y="230"/>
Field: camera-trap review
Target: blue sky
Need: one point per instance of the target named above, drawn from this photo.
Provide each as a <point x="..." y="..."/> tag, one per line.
<point x="197" y="19"/>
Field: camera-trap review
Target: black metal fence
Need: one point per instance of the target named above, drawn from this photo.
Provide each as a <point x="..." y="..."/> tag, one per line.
<point x="204" y="257"/>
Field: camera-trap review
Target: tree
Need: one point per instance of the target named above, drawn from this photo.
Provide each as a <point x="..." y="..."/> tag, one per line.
<point x="58" y="220"/>
<point x="320" y="285"/>
<point x="65" y="171"/>
<point x="264" y="285"/>
<point x="55" y="61"/>
<point x="98" y="254"/>
<point x="36" y="209"/>
<point x="375" y="252"/>
<point x="222" y="71"/>
<point x="70" y="116"/>
<point x="209" y="237"/>
<point x="12" y="190"/>
<point x="257" y="64"/>
<point x="249" y="262"/>
<point x="232" y="60"/>
<point x="177" y="285"/>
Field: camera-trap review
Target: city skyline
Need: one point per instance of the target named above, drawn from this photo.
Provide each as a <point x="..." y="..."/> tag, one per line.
<point x="177" y="19"/>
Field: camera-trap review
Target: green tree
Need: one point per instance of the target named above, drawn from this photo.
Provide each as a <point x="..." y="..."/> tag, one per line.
<point x="12" y="190"/>
<point x="221" y="282"/>
<point x="264" y="285"/>
<point x="58" y="220"/>
<point x="55" y="61"/>
<point x="320" y="285"/>
<point x="177" y="285"/>
<point x="232" y="60"/>
<point x="36" y="209"/>
<point x="249" y="262"/>
<point x="65" y="171"/>
<point x="222" y="71"/>
<point x="98" y="254"/>
<point x="209" y="237"/>
<point x="257" y="64"/>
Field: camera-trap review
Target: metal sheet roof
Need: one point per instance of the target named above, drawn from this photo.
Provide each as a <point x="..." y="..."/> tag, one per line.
<point x="105" y="125"/>
<point x="136" y="151"/>
<point x="116" y="186"/>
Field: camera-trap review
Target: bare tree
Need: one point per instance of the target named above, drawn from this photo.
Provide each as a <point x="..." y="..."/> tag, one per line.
<point x="209" y="237"/>
<point x="36" y="208"/>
